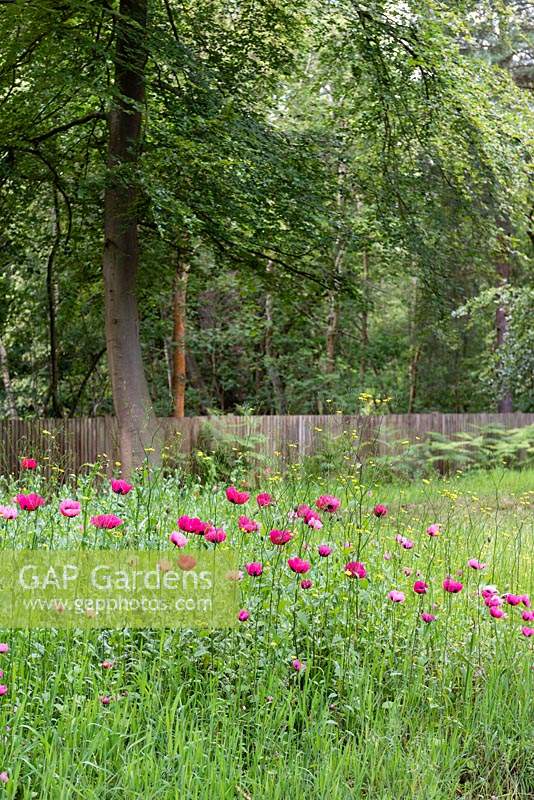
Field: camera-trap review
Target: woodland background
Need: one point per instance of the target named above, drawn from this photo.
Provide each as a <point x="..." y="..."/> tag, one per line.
<point x="329" y="202"/>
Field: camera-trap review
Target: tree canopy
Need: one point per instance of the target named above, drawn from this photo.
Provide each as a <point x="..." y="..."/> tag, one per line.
<point x="327" y="200"/>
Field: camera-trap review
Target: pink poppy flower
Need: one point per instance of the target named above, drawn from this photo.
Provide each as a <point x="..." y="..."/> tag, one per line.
<point x="493" y="600"/>
<point x="297" y="665"/>
<point x="488" y="591"/>
<point x="527" y="616"/>
<point x="264" y="499"/>
<point x="527" y="631"/>
<point x="69" y="508"/>
<point x="324" y="550"/>
<point x="192" y="525"/>
<point x="298" y="565"/>
<point x="215" y="535"/>
<point x="236" y="497"/>
<point x="420" y="587"/>
<point x="396" y="597"/>
<point x="106" y="664"/>
<point x="328" y="503"/>
<point x="105" y="700"/>
<point x="120" y="487"/>
<point x="434" y="530"/>
<point x="3" y="690"/>
<point x="4" y="647"/>
<point x="355" y="569"/>
<point x="474" y="563"/>
<point x="525" y="599"/>
<point x="178" y="539"/>
<point x="106" y="521"/>
<point x="387" y="556"/>
<point x="404" y="542"/>
<point x="28" y="463"/>
<point x="8" y="512"/>
<point x="243" y="615"/>
<point x="496" y="612"/>
<point x="315" y="523"/>
<point x="380" y="510"/>
<point x="512" y="599"/>
<point x="426" y="617"/>
<point x="452" y="586"/>
<point x="248" y="525"/>
<point x="303" y="510"/>
<point x="306" y="583"/>
<point x="254" y="569"/>
<point x="280" y="537"/>
<point x="4" y="777"/>
<point x="30" y="502"/>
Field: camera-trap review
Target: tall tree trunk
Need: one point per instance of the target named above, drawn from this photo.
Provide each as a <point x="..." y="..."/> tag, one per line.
<point x="270" y="363"/>
<point x="138" y="429"/>
<point x="179" y="366"/>
<point x="415" y="350"/>
<point x="52" y="299"/>
<point x="505" y="401"/>
<point x="331" y="332"/>
<point x="364" y="337"/>
<point x="11" y="408"/>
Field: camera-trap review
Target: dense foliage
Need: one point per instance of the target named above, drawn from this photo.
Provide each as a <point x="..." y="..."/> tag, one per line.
<point x="346" y="182"/>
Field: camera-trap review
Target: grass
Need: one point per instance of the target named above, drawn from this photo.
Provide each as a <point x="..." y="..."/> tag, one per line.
<point x="387" y="708"/>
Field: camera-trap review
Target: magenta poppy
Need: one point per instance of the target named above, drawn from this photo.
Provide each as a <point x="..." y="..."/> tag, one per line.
<point x="120" y="487"/>
<point x="512" y="599"/>
<point x="280" y="537"/>
<point x="192" y="525"/>
<point x="380" y="510"/>
<point x="28" y="463"/>
<point x="324" y="550"/>
<point x="426" y="617"/>
<point x="215" y="535"/>
<point x="30" y="502"/>
<point x="328" y="503"/>
<point x="298" y="565"/>
<point x="106" y="521"/>
<point x="248" y="525"/>
<point x="236" y="497"/>
<point x="420" y="587"/>
<point x="264" y="499"/>
<point x="355" y="569"/>
<point x="452" y="586"/>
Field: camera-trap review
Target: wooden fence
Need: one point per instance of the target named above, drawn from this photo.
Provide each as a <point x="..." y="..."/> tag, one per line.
<point x="71" y="443"/>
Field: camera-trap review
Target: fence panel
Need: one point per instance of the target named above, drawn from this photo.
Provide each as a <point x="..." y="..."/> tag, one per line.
<point x="68" y="444"/>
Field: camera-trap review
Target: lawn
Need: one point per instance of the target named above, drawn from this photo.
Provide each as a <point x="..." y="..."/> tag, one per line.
<point x="338" y="689"/>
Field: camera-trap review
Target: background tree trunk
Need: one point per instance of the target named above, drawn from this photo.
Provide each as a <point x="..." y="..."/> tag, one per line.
<point x="505" y="401"/>
<point x="137" y="423"/>
<point x="364" y="337"/>
<point x="11" y="408"/>
<point x="270" y="360"/>
<point x="179" y="366"/>
<point x="52" y="299"/>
